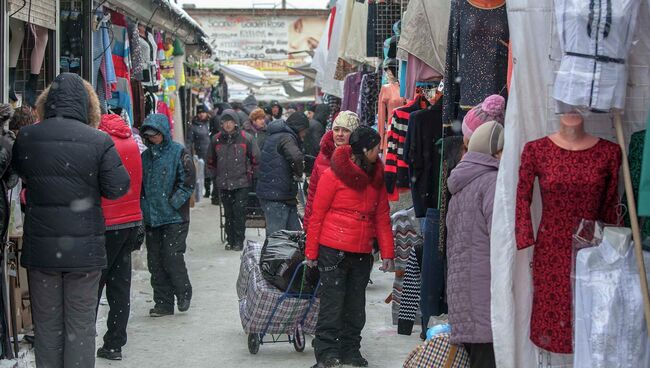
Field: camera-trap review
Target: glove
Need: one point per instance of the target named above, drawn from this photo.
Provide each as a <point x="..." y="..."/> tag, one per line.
<point x="312" y="263"/>
<point x="140" y="238"/>
<point x="387" y="265"/>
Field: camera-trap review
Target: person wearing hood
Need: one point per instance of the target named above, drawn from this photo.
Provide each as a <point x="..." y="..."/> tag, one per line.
<point x="198" y="141"/>
<point x="469" y="221"/>
<point x="167" y="186"/>
<point x="281" y="167"/>
<point x="69" y="166"/>
<point x="350" y="212"/>
<point x="342" y="128"/>
<point x="256" y="127"/>
<point x="233" y="160"/>
<point x="276" y="110"/>
<point x="215" y="124"/>
<point x="249" y="104"/>
<point x="316" y="131"/>
<point x="123" y="218"/>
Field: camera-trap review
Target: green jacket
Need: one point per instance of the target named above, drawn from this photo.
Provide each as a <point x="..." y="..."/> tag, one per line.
<point x="168" y="177"/>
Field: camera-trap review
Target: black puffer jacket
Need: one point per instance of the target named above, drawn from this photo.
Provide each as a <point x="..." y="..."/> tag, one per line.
<point x="280" y="163"/>
<point x="9" y="179"/>
<point x="68" y="167"/>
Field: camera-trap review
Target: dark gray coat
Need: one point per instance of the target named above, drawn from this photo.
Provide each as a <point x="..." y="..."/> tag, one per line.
<point x="233" y="160"/>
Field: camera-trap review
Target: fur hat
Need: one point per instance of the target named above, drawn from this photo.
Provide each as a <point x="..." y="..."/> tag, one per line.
<point x="347" y="120"/>
<point x="492" y="109"/>
<point x="487" y="139"/>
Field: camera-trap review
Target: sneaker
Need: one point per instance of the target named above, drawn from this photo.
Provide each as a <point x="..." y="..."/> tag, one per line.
<point x="110" y="354"/>
<point x="158" y="311"/>
<point x="183" y="305"/>
<point x="228" y="247"/>
<point x="355" y="359"/>
<point x="215" y="201"/>
<point x="328" y="363"/>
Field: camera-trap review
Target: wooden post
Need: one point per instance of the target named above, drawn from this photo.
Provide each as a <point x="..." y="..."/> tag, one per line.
<point x="634" y="220"/>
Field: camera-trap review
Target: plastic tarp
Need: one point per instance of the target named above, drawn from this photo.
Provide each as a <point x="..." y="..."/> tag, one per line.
<point x="531" y="115"/>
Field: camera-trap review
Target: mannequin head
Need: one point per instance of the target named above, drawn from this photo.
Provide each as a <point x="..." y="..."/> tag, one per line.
<point x="571" y="120"/>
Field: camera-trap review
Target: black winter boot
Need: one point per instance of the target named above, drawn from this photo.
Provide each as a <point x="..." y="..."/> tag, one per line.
<point x="355" y="360"/>
<point x="30" y="90"/>
<point x="110" y="354"/>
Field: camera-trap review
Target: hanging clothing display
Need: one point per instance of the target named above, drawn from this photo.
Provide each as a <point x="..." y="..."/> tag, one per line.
<point x="369" y="93"/>
<point x="644" y="184"/>
<point x="595" y="38"/>
<point x="477" y="57"/>
<point x="423" y="157"/>
<point x="355" y="47"/>
<point x="417" y="71"/>
<point x="407" y="234"/>
<point x="351" y="92"/>
<point x="610" y="330"/>
<point x="409" y="308"/>
<point x="389" y="99"/>
<point x="575" y="185"/>
<point x="635" y="158"/>
<point x="425" y="35"/>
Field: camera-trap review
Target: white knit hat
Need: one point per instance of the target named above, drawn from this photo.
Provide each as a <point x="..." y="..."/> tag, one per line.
<point x="487" y="139"/>
<point x="347" y="120"/>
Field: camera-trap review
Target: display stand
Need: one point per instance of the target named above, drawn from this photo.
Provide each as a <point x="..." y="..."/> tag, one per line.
<point x="634" y="220"/>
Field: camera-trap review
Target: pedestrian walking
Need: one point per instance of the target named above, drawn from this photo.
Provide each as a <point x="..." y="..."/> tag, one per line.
<point x="276" y="110"/>
<point x="281" y="167"/>
<point x="469" y="222"/>
<point x="69" y="166"/>
<point x="233" y="160"/>
<point x="350" y="211"/>
<point x="198" y="141"/>
<point x="342" y="127"/>
<point x="315" y="133"/>
<point x="256" y="126"/>
<point x="123" y="218"/>
<point x="168" y="177"/>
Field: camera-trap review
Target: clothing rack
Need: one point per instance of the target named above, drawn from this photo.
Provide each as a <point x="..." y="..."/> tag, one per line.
<point x="388" y="13"/>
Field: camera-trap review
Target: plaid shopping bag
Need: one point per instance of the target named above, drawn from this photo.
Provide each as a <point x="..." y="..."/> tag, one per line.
<point x="438" y="353"/>
<point x="258" y="300"/>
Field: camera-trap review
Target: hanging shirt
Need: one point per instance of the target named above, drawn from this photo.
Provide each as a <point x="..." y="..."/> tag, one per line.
<point x="610" y="329"/>
<point x="595" y="38"/>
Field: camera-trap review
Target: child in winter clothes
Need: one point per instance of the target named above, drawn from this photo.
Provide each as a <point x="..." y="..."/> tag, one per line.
<point x="469" y="221"/>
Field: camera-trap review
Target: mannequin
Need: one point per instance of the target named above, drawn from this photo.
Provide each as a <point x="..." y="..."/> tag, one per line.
<point x="572" y="135"/>
<point x="578" y="179"/>
<point x="389" y="99"/>
<point x="619" y="238"/>
<point x="41" y="36"/>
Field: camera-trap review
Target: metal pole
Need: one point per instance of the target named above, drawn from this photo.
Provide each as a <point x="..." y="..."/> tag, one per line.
<point x="284" y="4"/>
<point x="634" y="220"/>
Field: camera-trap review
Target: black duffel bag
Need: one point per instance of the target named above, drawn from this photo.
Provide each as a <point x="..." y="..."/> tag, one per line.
<point x="282" y="253"/>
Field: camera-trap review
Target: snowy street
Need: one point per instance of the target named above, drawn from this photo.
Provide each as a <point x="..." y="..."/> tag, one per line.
<point x="210" y="334"/>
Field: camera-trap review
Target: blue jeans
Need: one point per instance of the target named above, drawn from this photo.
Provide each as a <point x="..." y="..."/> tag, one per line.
<point x="280" y="216"/>
<point x="432" y="299"/>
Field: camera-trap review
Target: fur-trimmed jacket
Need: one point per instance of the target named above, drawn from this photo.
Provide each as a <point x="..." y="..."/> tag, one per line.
<point x="350" y="209"/>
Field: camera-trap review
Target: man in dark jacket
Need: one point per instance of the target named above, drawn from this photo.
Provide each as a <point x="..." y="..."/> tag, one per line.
<point x="123" y="218"/>
<point x="69" y="166"/>
<point x="281" y="167"/>
<point x="314" y="135"/>
<point x="233" y="159"/>
<point x="168" y="183"/>
<point x="198" y="141"/>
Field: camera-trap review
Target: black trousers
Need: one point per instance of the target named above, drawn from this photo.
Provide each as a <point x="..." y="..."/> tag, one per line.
<point x="342" y="315"/>
<point x="207" y="183"/>
<point x="234" y="206"/>
<point x="117" y="280"/>
<point x="166" y="261"/>
<point x="481" y="355"/>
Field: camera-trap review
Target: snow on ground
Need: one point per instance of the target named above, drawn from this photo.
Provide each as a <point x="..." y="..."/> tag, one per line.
<point x="210" y="334"/>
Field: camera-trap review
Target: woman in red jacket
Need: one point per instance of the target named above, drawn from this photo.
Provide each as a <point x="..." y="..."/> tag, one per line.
<point x="350" y="210"/>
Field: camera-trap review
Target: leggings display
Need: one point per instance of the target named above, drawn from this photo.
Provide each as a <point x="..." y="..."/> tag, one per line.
<point x="41" y="37"/>
<point x="432" y="299"/>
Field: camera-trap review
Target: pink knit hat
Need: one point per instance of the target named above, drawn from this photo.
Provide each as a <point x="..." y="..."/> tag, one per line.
<point x="492" y="109"/>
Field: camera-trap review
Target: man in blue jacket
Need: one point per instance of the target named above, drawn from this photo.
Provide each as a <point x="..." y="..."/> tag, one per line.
<point x="168" y="177"/>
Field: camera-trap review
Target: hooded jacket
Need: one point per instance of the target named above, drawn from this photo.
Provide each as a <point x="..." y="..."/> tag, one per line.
<point x="126" y="210"/>
<point x="250" y="104"/>
<point x="469" y="219"/>
<point x="350" y="209"/>
<point x="281" y="161"/>
<point x="198" y="137"/>
<point x="233" y="159"/>
<point x="168" y="178"/>
<point x="322" y="163"/>
<point x="69" y="166"/>
<point x="314" y="135"/>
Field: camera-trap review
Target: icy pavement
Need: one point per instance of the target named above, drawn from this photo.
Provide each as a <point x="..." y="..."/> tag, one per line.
<point x="210" y="334"/>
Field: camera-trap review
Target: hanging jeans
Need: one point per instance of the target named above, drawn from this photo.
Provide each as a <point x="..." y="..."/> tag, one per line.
<point x="432" y="300"/>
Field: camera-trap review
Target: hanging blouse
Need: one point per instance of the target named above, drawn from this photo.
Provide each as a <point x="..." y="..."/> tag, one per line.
<point x="595" y="38"/>
<point x="389" y="100"/>
<point x="477" y="57"/>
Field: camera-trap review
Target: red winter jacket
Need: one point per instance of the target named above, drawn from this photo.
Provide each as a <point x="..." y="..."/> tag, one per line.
<point x="126" y="209"/>
<point x="322" y="163"/>
<point x="350" y="209"/>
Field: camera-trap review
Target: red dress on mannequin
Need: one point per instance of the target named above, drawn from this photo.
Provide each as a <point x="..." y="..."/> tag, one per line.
<point x="574" y="185"/>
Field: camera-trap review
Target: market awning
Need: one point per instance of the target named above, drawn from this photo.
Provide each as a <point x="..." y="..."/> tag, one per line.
<point x="305" y="70"/>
